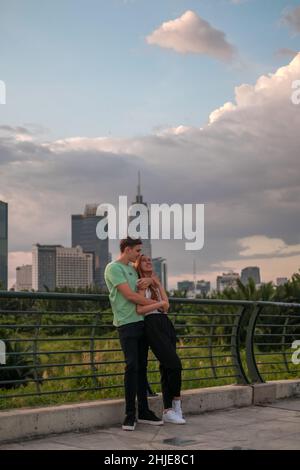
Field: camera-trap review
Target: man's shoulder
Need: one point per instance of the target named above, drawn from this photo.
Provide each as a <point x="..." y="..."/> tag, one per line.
<point x="113" y="265"/>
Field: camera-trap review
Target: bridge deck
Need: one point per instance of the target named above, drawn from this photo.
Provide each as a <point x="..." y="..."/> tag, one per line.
<point x="272" y="426"/>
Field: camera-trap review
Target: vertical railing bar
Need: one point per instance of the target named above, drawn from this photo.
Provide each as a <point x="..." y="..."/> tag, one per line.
<point x="236" y="346"/>
<point x="92" y="350"/>
<point x="283" y="350"/>
<point x="254" y="373"/>
<point x="36" y="351"/>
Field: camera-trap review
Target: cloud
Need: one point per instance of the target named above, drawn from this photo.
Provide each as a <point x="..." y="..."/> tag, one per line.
<point x="192" y="34"/>
<point x="291" y="18"/>
<point x="243" y="165"/>
<point x="262" y="245"/>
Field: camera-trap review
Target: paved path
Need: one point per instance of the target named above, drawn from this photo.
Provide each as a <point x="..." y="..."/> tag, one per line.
<point x="275" y="426"/>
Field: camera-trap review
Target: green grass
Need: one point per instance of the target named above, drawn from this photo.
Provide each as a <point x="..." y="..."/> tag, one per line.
<point x="202" y="376"/>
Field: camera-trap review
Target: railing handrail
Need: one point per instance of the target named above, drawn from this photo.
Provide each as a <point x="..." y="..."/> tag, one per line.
<point x="105" y="297"/>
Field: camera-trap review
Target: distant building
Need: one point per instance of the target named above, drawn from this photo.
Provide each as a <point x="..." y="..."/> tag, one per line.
<point x="146" y="247"/>
<point x="44" y="267"/>
<point x="185" y="286"/>
<point x="202" y="287"/>
<point x="24" y="277"/>
<point x="74" y="268"/>
<point x="227" y="281"/>
<point x="3" y="244"/>
<point x="250" y="272"/>
<point x="160" y="268"/>
<point x="56" y="266"/>
<point x="84" y="235"/>
<point x="280" y="281"/>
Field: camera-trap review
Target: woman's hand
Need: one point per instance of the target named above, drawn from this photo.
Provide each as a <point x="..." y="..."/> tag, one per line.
<point x="164" y="305"/>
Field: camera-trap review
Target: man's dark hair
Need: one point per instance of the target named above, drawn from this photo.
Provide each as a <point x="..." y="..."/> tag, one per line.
<point x="131" y="242"/>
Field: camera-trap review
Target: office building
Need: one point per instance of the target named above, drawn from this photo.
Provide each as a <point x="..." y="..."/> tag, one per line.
<point x="84" y="235"/>
<point x="160" y="268"/>
<point x="54" y="266"/>
<point x="227" y="281"/>
<point x="250" y="272"/>
<point x="202" y="287"/>
<point x="186" y="286"/>
<point x="24" y="277"/>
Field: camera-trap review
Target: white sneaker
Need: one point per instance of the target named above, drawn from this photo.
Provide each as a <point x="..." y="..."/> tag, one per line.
<point x="171" y="417"/>
<point x="176" y="405"/>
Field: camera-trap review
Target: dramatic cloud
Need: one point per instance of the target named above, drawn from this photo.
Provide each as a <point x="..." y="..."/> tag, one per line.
<point x="244" y="165"/>
<point x="192" y="34"/>
<point x="292" y="19"/>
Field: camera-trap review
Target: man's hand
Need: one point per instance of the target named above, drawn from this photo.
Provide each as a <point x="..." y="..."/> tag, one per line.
<point x="144" y="282"/>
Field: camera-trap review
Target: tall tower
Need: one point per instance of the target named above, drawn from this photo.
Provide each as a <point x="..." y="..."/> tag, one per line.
<point x="147" y="249"/>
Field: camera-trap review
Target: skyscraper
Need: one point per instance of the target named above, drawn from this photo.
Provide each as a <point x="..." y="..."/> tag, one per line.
<point x="3" y="244"/>
<point x="44" y="267"/>
<point x="147" y="248"/>
<point x="84" y="235"/>
<point x="250" y="272"/>
<point x="160" y="268"/>
<point x="56" y="266"/>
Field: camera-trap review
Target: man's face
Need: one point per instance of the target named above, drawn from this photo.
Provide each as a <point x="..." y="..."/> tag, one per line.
<point x="134" y="252"/>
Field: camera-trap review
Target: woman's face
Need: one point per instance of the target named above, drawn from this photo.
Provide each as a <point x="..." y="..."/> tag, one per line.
<point x="146" y="264"/>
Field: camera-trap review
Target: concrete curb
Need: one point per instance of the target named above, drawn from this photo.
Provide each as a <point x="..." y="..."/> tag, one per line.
<point x="28" y="423"/>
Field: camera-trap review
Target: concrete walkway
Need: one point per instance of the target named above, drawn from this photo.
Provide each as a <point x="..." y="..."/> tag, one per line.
<point x="273" y="426"/>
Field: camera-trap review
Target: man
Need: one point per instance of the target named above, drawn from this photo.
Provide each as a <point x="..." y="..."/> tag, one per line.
<point x="122" y="281"/>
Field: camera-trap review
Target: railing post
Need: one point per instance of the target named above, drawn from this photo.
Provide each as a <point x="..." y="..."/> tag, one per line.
<point x="254" y="373"/>
<point x="236" y="347"/>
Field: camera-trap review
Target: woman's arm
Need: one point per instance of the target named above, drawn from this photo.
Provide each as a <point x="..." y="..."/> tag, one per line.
<point x="143" y="309"/>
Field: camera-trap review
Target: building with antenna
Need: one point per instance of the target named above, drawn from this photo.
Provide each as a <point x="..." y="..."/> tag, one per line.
<point x="147" y="248"/>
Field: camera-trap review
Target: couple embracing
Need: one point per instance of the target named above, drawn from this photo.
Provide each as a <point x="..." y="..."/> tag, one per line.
<point x="140" y="306"/>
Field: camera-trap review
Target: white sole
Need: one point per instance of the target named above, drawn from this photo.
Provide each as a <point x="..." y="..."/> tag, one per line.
<point x="128" y="428"/>
<point x="153" y="423"/>
<point x="174" y="422"/>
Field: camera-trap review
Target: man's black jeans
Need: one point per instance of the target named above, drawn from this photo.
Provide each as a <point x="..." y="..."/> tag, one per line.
<point x="135" y="348"/>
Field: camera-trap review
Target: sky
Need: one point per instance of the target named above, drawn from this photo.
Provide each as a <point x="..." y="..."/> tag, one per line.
<point x="193" y="93"/>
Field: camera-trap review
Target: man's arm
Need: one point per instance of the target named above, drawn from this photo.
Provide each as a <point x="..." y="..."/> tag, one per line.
<point x="132" y="296"/>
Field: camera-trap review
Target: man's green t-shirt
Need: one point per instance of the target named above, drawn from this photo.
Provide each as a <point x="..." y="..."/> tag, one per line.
<point x="124" y="311"/>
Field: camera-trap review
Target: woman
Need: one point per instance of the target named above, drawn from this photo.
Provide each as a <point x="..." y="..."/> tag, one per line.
<point x="161" y="336"/>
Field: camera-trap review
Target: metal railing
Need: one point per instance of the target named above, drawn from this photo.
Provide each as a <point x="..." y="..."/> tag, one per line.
<point x="62" y="343"/>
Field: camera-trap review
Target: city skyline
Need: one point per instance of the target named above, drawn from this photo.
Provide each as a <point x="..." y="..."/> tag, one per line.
<point x="201" y="106"/>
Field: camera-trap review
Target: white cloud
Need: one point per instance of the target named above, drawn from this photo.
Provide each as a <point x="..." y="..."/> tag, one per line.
<point x="262" y="245"/>
<point x="192" y="34"/>
<point x="244" y="166"/>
